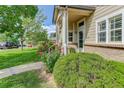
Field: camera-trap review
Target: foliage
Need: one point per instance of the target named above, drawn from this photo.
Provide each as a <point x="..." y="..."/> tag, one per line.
<point x="37" y="36"/>
<point x="35" y="31"/>
<point x="88" y="70"/>
<point x="12" y="17"/>
<point x="50" y="59"/>
<point x="24" y="80"/>
<point x="46" y="46"/>
<point x="3" y="38"/>
<point x="14" y="57"/>
<point x="72" y="50"/>
<point x="49" y="53"/>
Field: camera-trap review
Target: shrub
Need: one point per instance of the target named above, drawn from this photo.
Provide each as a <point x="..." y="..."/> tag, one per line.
<point x="50" y="59"/>
<point x="87" y="70"/>
<point x="44" y="46"/>
<point x="72" y="50"/>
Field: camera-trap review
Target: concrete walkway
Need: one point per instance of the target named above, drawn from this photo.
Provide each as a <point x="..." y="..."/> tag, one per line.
<point x="19" y="69"/>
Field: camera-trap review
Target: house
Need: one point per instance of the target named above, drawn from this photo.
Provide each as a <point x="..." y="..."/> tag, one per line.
<point x="53" y="36"/>
<point x="97" y="29"/>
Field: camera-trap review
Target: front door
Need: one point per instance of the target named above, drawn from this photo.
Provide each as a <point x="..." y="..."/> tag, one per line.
<point x="81" y="36"/>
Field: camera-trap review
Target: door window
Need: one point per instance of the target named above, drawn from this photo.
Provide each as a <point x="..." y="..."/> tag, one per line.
<point x="81" y="27"/>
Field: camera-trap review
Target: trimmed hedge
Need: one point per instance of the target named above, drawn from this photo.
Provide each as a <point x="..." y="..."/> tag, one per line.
<point x="88" y="70"/>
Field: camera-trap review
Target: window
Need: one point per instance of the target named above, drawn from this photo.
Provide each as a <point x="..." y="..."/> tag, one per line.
<point x="102" y="31"/>
<point x="70" y="36"/>
<point x="115" y="28"/>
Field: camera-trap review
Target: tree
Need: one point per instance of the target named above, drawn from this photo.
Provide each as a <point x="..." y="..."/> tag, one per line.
<point x="3" y="38"/>
<point x="35" y="37"/>
<point x="12" y="18"/>
<point x="35" y="31"/>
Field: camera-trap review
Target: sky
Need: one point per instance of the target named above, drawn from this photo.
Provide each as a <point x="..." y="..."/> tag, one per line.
<point x="48" y="12"/>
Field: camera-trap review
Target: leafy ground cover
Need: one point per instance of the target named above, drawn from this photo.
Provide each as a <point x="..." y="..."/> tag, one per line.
<point x="88" y="70"/>
<point x="14" y="57"/>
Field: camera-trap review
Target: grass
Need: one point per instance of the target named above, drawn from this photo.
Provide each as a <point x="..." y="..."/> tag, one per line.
<point x="30" y="79"/>
<point x="24" y="80"/>
<point x="14" y="57"/>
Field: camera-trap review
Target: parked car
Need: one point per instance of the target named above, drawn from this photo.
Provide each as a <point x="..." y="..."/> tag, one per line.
<point x="7" y="45"/>
<point x="2" y="45"/>
<point x="21" y="45"/>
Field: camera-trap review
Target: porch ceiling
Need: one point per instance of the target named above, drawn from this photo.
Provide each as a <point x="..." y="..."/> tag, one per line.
<point x="76" y="14"/>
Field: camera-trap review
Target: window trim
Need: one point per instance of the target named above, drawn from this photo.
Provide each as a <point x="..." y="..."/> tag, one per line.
<point x="114" y="29"/>
<point x="70" y="36"/>
<point x="100" y="31"/>
<point x="121" y="11"/>
<point x="84" y="34"/>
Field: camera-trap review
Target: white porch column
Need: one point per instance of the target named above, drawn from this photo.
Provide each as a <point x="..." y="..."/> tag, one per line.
<point x="65" y="30"/>
<point x="57" y="33"/>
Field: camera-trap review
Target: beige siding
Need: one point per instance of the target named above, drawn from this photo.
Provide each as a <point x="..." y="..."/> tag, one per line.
<point x="108" y="53"/>
<point x="100" y="11"/>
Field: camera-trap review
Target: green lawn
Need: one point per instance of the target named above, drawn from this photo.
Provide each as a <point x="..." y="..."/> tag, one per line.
<point x="24" y="80"/>
<point x="14" y="57"/>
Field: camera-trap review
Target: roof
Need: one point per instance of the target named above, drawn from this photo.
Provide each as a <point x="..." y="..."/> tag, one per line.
<point x="82" y="7"/>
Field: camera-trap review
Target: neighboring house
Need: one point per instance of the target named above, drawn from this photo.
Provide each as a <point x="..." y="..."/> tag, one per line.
<point x="53" y="36"/>
<point x="98" y="29"/>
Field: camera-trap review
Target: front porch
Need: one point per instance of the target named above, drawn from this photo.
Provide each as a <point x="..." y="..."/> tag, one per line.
<point x="71" y="26"/>
<point x="74" y="29"/>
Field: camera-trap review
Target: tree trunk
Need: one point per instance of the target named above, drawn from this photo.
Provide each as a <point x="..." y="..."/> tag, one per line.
<point x="22" y="44"/>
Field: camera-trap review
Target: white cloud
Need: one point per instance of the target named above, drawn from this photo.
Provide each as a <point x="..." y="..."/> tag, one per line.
<point x="50" y="28"/>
